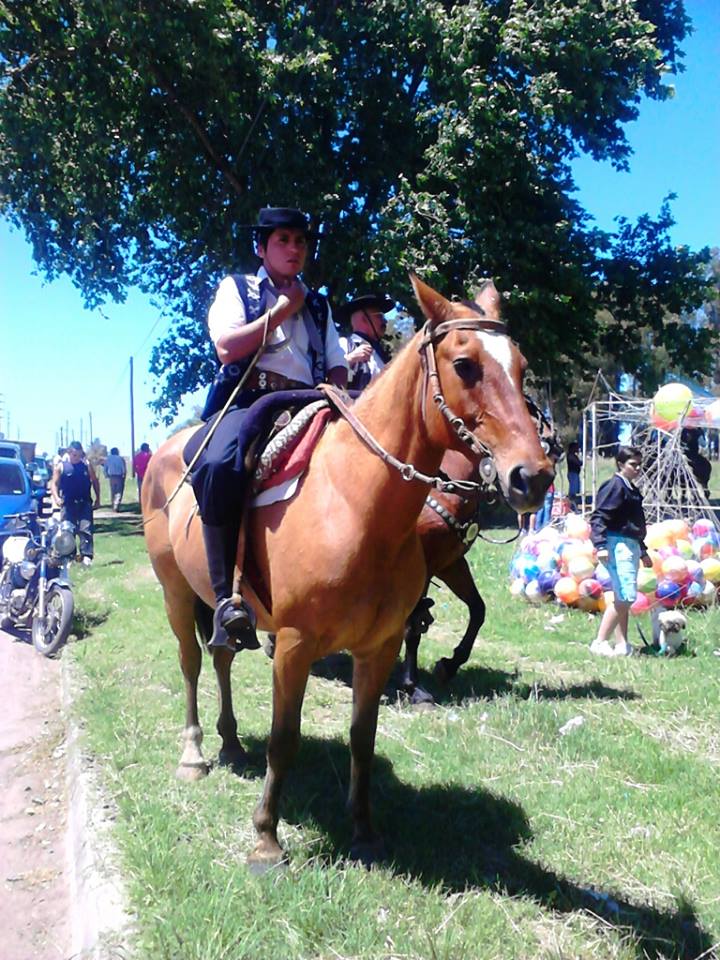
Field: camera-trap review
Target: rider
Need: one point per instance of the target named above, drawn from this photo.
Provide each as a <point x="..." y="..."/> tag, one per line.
<point x="365" y="353"/>
<point x="70" y="487"/>
<point x="302" y="350"/>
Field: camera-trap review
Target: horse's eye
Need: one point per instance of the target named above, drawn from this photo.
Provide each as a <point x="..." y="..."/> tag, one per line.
<point x="467" y="369"/>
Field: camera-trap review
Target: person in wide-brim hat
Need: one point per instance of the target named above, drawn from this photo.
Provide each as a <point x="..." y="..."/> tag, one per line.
<point x="271" y="333"/>
<point x="274" y="218"/>
<point x="365" y="353"/>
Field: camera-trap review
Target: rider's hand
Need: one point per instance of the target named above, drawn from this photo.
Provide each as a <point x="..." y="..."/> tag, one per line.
<point x="646" y="561"/>
<point x="290" y="301"/>
<point x="360" y="354"/>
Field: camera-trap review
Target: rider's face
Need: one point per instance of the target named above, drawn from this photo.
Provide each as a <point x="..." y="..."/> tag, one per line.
<point x="284" y="253"/>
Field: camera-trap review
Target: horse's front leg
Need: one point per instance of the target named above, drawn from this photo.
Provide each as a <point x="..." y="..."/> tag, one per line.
<point x="291" y="667"/>
<point x="417" y="624"/>
<point x="180" y="609"/>
<point x="459" y="579"/>
<point x="369" y="679"/>
<point x="231" y="752"/>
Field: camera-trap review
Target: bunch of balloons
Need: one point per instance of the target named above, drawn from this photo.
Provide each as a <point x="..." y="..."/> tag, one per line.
<point x="560" y="563"/>
<point x="674" y="403"/>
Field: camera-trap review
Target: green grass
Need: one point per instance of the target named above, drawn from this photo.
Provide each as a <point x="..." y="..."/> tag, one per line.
<point x="507" y="839"/>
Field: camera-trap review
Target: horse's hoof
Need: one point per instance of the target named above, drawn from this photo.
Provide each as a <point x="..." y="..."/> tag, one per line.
<point x="368" y="853"/>
<point x="263" y="859"/>
<point x="190" y="772"/>
<point x="233" y="757"/>
<point x="421" y="699"/>
<point x="442" y="671"/>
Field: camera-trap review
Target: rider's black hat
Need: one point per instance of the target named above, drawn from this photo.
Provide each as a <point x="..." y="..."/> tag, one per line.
<point x="272" y="218"/>
<point x="368" y="301"/>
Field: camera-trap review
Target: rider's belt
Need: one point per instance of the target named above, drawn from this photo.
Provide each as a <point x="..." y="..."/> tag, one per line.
<point x="268" y="380"/>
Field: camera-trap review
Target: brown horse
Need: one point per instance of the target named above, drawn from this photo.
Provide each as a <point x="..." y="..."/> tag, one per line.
<point x="448" y="527"/>
<point x="341" y="564"/>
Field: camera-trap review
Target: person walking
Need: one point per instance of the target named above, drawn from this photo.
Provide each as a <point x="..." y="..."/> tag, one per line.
<point x="618" y="532"/>
<point x="140" y="464"/>
<point x="70" y="487"/>
<point x="301" y="351"/>
<point x="115" y="470"/>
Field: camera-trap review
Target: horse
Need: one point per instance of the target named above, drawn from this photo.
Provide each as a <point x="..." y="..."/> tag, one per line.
<point x="448" y="527"/>
<point x="340" y="565"/>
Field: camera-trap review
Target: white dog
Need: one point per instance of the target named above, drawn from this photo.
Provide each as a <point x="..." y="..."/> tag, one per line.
<point x="668" y="630"/>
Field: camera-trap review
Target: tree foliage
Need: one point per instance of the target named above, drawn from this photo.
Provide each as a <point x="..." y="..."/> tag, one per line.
<point x="137" y="142"/>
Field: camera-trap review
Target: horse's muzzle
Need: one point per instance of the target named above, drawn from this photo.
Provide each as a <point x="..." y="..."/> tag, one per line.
<point x="526" y="488"/>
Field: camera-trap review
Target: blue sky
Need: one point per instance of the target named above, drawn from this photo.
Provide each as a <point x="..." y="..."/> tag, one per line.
<point x="60" y="363"/>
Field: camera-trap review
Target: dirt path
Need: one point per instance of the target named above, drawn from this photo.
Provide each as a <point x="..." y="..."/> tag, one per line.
<point x="35" y="897"/>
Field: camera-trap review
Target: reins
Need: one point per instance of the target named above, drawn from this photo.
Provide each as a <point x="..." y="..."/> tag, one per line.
<point x="406" y="470"/>
<point x="209" y="435"/>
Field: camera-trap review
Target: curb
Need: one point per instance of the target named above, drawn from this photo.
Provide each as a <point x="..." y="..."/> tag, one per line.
<point x="101" y="928"/>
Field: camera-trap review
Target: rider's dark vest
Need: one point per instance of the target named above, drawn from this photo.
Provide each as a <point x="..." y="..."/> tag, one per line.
<point x="252" y="296"/>
<point x="75" y="481"/>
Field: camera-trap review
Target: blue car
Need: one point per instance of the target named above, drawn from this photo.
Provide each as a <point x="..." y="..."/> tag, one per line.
<point x="15" y="493"/>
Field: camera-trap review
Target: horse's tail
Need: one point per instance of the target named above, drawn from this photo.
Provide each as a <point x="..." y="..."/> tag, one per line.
<point x="203" y="620"/>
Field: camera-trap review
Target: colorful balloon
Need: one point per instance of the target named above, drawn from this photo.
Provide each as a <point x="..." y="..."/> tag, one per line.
<point x="641" y="604"/>
<point x="533" y="593"/>
<point x="566" y="590"/>
<point x="577" y="527"/>
<point x="668" y="592"/>
<point x="675" y="568"/>
<point x="590" y="588"/>
<point x="672" y="401"/>
<point x="581" y="568"/>
<point x="711" y="569"/>
<point x="647" y="580"/>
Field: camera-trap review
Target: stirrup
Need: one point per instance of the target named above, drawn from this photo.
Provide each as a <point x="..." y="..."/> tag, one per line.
<point x="234" y="626"/>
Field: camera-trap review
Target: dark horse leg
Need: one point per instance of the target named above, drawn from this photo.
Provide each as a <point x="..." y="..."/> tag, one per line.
<point x="417" y="624"/>
<point x="460" y="580"/>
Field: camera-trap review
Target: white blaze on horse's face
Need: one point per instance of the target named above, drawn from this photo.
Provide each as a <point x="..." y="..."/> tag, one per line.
<point x="498" y="346"/>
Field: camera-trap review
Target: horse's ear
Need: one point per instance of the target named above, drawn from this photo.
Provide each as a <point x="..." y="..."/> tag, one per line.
<point x="433" y="304"/>
<point x="488" y="299"/>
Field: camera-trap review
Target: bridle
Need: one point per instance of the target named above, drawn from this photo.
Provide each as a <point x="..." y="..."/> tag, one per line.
<point x="487" y="469"/>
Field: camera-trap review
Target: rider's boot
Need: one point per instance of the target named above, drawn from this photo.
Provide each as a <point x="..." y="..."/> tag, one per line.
<point x="234" y="620"/>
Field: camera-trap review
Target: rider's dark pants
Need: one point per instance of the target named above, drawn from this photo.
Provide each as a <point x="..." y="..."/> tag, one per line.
<point x="80" y="513"/>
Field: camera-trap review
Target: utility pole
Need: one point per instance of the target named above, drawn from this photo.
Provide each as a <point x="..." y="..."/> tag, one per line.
<point x="92" y="438"/>
<point x="132" y="421"/>
<point x="81" y="432"/>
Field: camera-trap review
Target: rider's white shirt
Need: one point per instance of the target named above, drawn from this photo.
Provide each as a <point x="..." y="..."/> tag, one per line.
<point x="288" y="345"/>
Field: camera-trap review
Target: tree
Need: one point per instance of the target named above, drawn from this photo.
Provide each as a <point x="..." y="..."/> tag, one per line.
<point x="137" y="141"/>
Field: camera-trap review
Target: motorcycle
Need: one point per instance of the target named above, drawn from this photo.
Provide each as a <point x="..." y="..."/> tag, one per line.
<point x="35" y="588"/>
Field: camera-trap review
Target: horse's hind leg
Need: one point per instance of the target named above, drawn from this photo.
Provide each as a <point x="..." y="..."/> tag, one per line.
<point x="180" y="608"/>
<point x="291" y="667"/>
<point x="460" y="580"/>
<point x="369" y="679"/>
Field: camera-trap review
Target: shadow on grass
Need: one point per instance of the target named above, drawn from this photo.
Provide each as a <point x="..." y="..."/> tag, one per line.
<point x="124" y="524"/>
<point x="478" y="842"/>
<point x="476" y="683"/>
<point x="85" y="621"/>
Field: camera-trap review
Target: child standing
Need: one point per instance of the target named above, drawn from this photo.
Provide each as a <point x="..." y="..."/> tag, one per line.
<point x="618" y="533"/>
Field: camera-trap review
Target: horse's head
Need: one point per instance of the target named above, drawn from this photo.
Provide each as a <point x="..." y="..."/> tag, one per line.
<point x="476" y="374"/>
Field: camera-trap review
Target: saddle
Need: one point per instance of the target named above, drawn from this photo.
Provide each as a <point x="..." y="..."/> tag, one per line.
<point x="275" y="441"/>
